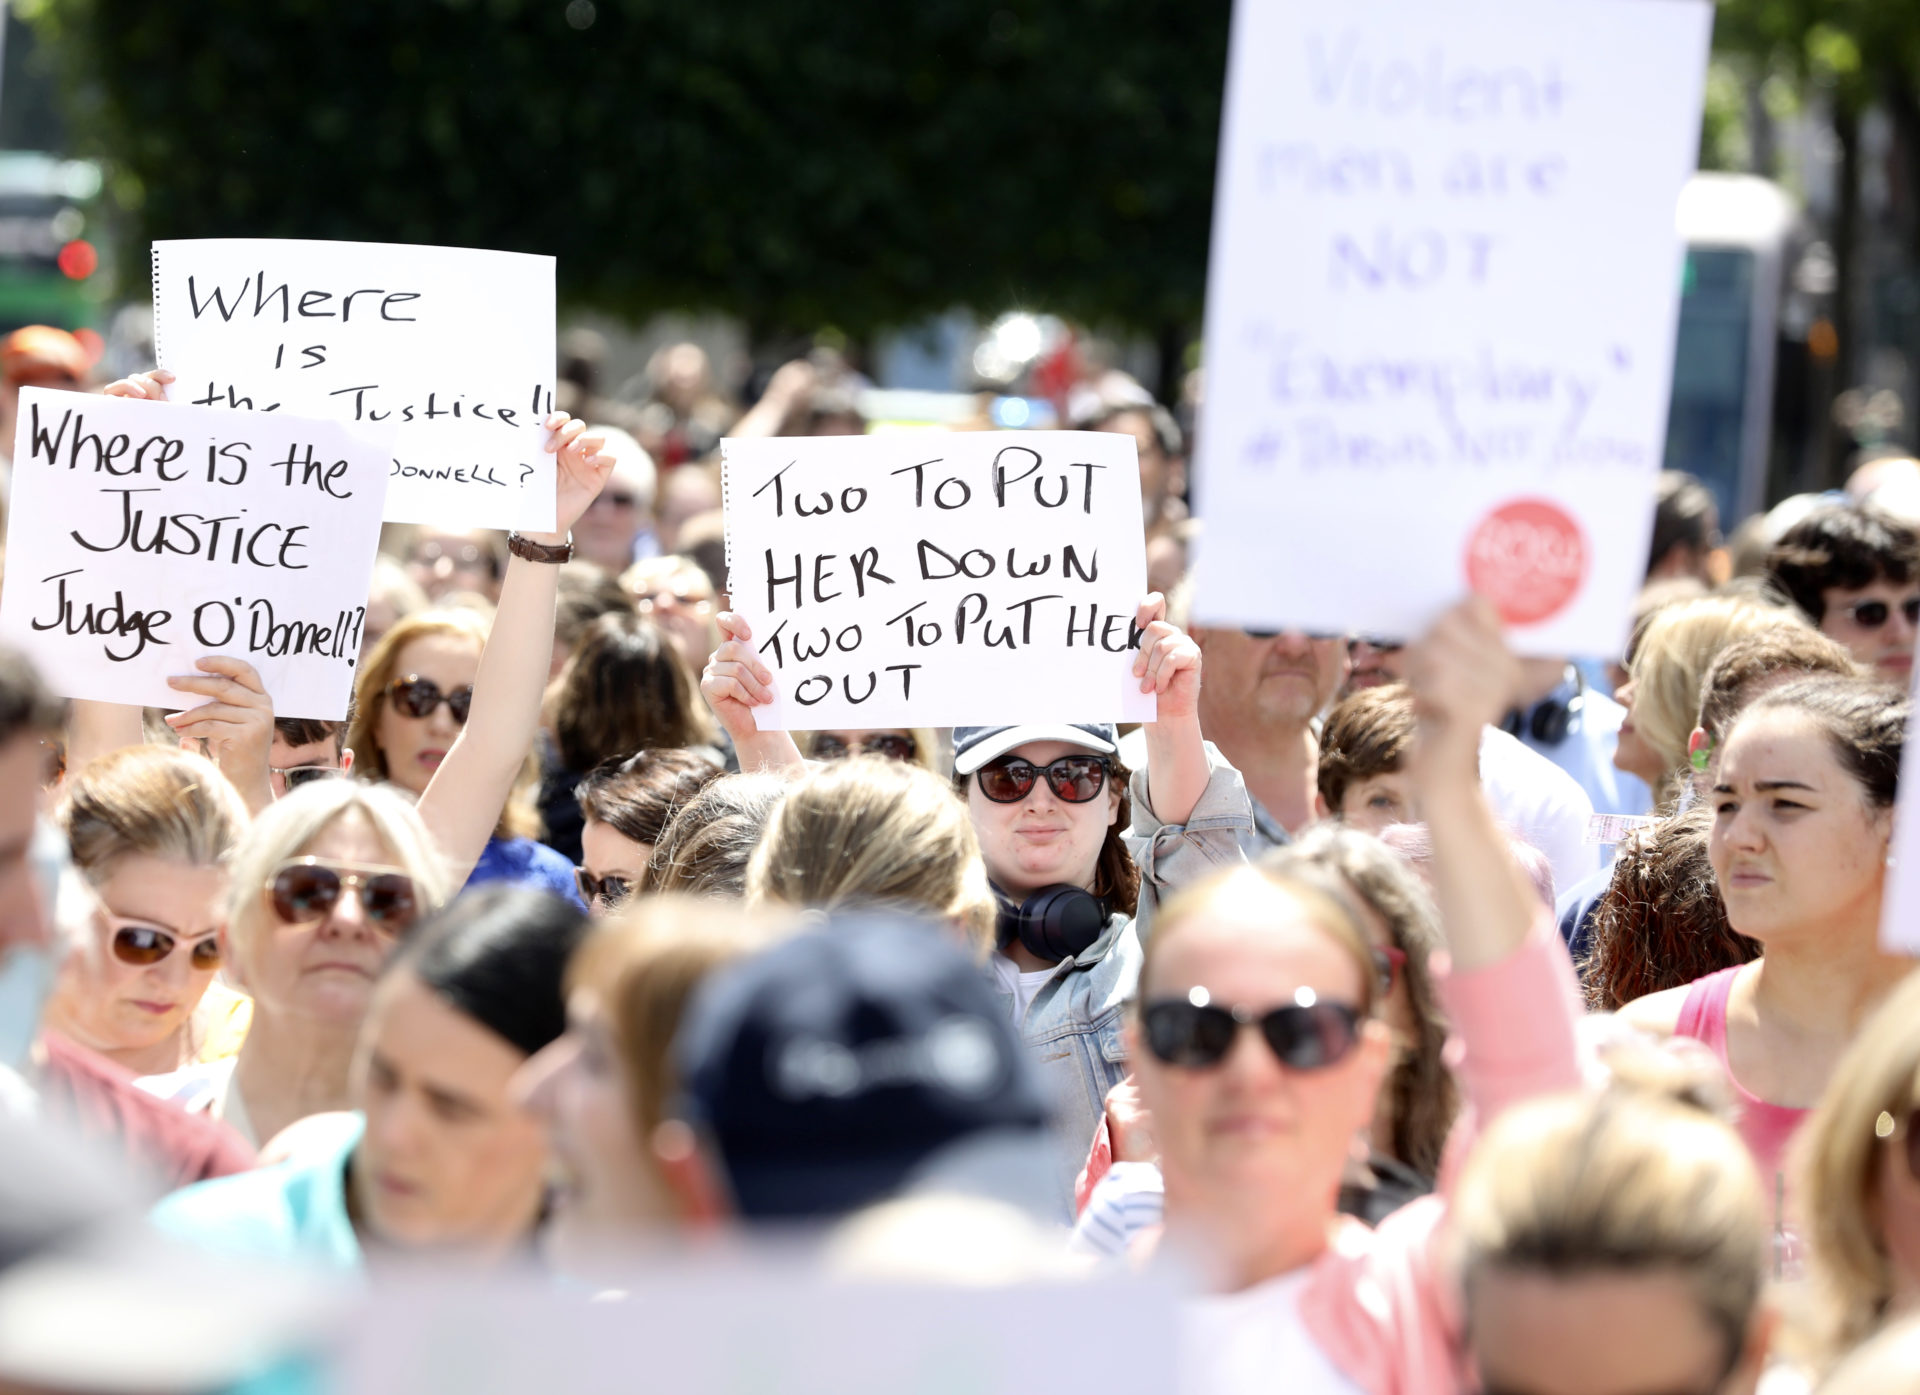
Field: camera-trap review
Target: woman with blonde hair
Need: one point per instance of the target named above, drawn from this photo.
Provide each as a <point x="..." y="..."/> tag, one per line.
<point x="1662" y="692"/>
<point x="322" y="890"/>
<point x="153" y="831"/>
<point x="872" y="831"/>
<point x="1858" y="1166"/>
<point x="604" y="1088"/>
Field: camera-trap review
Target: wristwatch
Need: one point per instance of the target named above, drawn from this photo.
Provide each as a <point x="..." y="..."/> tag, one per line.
<point x="540" y="552"/>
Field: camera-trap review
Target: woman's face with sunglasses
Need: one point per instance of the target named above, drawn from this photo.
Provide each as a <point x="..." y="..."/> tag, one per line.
<point x="322" y="945"/>
<point x="1263" y="1116"/>
<point x="157" y="949"/>
<point x="1042" y="838"/>
<point x="442" y="669"/>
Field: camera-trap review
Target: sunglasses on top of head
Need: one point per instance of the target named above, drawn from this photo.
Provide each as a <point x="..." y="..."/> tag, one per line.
<point x="414" y="696"/>
<point x="143" y="946"/>
<point x="308" y="889"/>
<point x="1871" y="615"/>
<point x="1196" y="1033"/>
<point x="1073" y="779"/>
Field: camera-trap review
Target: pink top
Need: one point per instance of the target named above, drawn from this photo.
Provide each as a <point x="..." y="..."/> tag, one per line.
<point x="1767" y="1128"/>
<point x="1377" y="1302"/>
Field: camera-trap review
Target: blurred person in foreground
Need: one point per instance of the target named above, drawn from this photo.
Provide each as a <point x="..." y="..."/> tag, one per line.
<point x="38" y="356"/>
<point x="439" y="1162"/>
<point x="1854" y="571"/>
<point x="617" y="526"/>
<point x="843" y="1066"/>
<point x="1686" y="531"/>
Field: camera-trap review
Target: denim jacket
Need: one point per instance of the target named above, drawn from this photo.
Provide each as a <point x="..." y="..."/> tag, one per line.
<point x="1073" y="1024"/>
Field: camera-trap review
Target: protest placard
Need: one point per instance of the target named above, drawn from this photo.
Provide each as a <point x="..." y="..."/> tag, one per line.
<point x="938" y="579"/>
<point x="453" y="345"/>
<point x="144" y="535"/>
<point x="1900" y="897"/>
<point x="1441" y="310"/>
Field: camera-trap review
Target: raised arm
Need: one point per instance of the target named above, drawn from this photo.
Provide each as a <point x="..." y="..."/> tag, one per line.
<point x="1169" y="665"/>
<point x="734" y="683"/>
<point x="1464" y="677"/>
<point x="462" y="803"/>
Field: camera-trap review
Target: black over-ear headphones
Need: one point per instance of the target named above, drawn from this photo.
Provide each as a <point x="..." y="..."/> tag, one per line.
<point x="1055" y="923"/>
<point x="1551" y="718"/>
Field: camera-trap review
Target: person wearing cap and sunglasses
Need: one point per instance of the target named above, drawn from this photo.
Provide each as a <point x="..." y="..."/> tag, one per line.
<point x="1854" y="571"/>
<point x="1259" y="1050"/>
<point x="1076" y="847"/>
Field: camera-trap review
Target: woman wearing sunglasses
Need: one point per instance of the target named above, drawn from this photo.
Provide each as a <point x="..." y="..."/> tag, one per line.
<point x="439" y="1161"/>
<point x="625" y="805"/>
<point x="1059" y="831"/>
<point x="914" y="744"/>
<point x="1259" y="1049"/>
<point x="153" y="831"/>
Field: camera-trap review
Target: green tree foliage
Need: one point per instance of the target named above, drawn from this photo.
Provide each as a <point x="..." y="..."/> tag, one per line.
<point x="796" y="162"/>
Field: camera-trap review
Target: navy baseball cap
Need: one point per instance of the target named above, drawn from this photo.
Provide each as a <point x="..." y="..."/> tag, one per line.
<point x="973" y="747"/>
<point x="830" y="1069"/>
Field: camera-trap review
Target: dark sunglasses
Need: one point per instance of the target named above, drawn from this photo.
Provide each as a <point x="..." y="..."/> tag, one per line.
<point x="1871" y="615"/>
<point x="608" y="889"/>
<point x="414" y="696"/>
<point x="308" y="889"/>
<point x="143" y="946"/>
<point x="1074" y="779"/>
<point x="885" y="743"/>
<point x="1198" y="1036"/>
<point x="294" y="776"/>
<point x="1390" y="961"/>
<point x="1317" y="636"/>
<point x="1375" y="643"/>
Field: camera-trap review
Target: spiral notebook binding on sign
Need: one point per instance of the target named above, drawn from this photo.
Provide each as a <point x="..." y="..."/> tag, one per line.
<point x="726" y="504"/>
<point x="159" y="352"/>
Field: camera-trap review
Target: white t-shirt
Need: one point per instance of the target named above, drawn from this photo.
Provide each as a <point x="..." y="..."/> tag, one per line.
<point x="1253" y="1341"/>
<point x="1542" y="803"/>
<point x="1024" y="986"/>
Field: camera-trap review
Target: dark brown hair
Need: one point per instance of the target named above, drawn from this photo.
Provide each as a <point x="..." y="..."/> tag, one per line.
<point x="1660" y="923"/>
<point x="1785" y="651"/>
<point x="26" y="707"/>
<point x="624" y="690"/>
<point x="1367" y="734"/>
<point x="1843" y="546"/>
<point x="586" y="593"/>
<point x="637" y="796"/>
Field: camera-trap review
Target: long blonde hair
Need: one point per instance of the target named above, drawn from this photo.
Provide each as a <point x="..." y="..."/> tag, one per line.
<point x="291" y="825"/>
<point x="519" y="817"/>
<point x="1838" y="1156"/>
<point x="872" y="831"/>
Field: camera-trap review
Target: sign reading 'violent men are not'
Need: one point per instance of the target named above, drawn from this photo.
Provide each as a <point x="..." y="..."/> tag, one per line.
<point x="143" y="535"/>
<point x="452" y="345"/>
<point x="939" y="579"/>
<point x="1441" y="311"/>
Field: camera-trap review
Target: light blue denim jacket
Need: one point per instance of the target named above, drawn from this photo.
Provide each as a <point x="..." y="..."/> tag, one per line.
<point x="1073" y="1024"/>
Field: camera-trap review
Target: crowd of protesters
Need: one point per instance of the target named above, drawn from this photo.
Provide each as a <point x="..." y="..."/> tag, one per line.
<point x="1576" y="1063"/>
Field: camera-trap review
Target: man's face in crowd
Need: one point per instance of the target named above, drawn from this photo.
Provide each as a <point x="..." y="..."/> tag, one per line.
<point x="1875" y="623"/>
<point x="1373" y="665"/>
<point x="1281" y="680"/>
<point x="1156" y="470"/>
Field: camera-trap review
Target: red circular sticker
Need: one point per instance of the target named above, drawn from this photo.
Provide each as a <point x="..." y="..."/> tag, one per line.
<point x="1529" y="558"/>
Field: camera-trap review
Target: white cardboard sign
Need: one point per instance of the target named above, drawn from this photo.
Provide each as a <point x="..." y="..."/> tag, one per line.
<point x="1441" y="310"/>
<point x="144" y="535"/>
<point x="454" y="346"/>
<point x="939" y="579"/>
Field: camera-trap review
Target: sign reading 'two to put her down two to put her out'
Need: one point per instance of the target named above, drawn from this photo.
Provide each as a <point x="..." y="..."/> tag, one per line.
<point x="939" y="579"/>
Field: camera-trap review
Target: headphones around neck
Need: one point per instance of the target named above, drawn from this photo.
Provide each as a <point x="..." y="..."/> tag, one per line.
<point x="1055" y="923"/>
<point x="1550" y="720"/>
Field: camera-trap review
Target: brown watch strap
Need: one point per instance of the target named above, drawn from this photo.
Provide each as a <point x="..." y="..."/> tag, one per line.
<point x="540" y="552"/>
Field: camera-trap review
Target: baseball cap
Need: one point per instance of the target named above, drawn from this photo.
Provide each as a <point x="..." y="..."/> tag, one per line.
<point x="973" y="747"/>
<point x="42" y="347"/>
<point x="831" y="1069"/>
